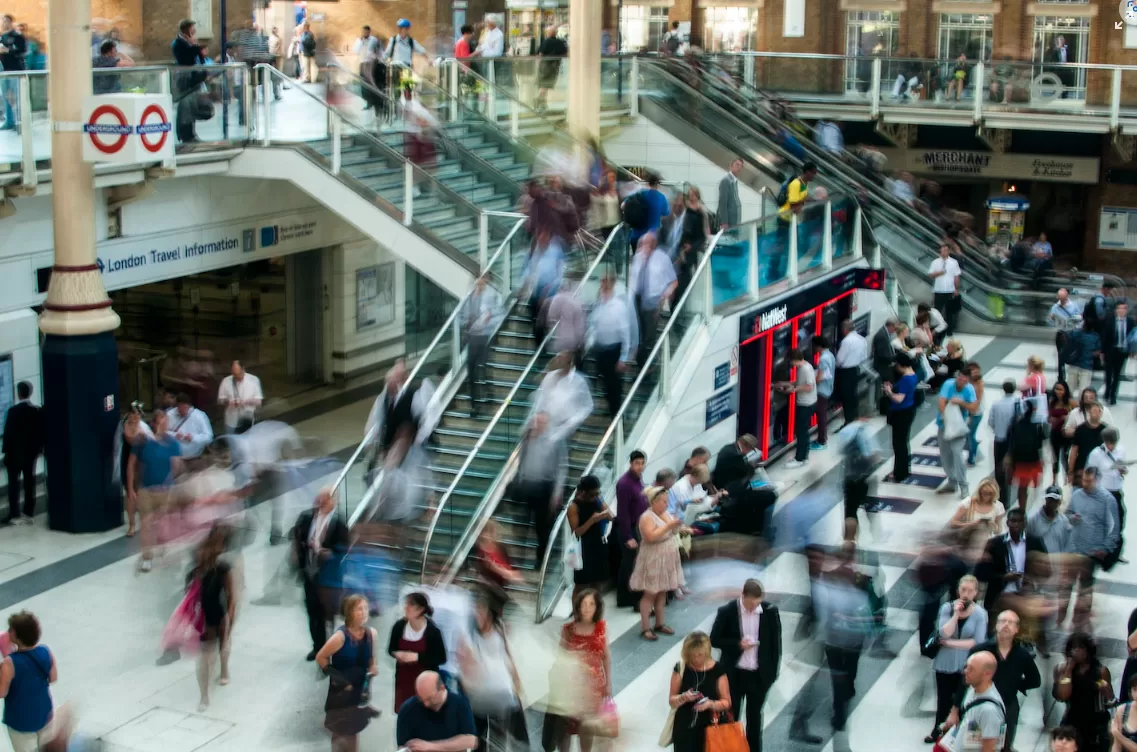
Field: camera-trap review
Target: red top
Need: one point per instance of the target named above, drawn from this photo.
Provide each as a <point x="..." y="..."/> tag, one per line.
<point x="462" y="48"/>
<point x="590" y="650"/>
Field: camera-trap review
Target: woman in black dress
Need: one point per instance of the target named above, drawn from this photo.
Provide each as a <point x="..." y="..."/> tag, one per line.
<point x="218" y="607"/>
<point x="1083" y="683"/>
<point x="699" y="689"/>
<point x="586" y="516"/>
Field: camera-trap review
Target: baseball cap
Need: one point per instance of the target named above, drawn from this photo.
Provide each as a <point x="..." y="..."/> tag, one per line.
<point x="1054" y="492"/>
<point x="403" y="23"/>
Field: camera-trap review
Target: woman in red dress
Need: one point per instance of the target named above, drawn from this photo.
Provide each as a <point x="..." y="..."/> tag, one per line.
<point x="586" y="637"/>
<point x="416" y="645"/>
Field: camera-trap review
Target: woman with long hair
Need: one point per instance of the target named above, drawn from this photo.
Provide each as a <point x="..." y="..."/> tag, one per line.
<point x="699" y="689"/>
<point x="586" y="638"/>
<point x="978" y="518"/>
<point x="489" y="676"/>
<point x="1084" y="684"/>
<point x="349" y="660"/>
<point x="1059" y="404"/>
<point x="218" y="607"/>
<point x="416" y="645"/>
<point x="692" y="239"/>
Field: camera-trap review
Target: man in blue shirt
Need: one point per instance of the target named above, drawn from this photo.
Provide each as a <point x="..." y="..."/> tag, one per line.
<point x="957" y="394"/>
<point x="150" y="474"/>
<point x="435" y="719"/>
<point x="657" y="208"/>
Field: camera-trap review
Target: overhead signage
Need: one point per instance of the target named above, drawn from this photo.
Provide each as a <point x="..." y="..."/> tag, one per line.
<point x="762" y="320"/>
<point x="127" y="128"/>
<point x="984" y="164"/>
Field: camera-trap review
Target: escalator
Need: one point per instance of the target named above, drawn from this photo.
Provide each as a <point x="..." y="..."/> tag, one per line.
<point x="700" y="104"/>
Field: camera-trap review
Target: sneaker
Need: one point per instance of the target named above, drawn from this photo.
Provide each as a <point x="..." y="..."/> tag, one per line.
<point x="816" y="446"/>
<point x="948" y="489"/>
<point x="964" y="492"/>
<point x="795" y="464"/>
<point x="146" y="565"/>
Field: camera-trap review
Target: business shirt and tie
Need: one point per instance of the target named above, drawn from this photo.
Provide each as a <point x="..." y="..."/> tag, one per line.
<point x="852" y="353"/>
<point x="566" y="312"/>
<point x="750" y="671"/>
<point x="1116" y="352"/>
<point x="730" y="204"/>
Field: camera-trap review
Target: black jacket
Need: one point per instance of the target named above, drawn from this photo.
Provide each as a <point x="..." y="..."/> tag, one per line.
<point x="430" y="659"/>
<point x="1109" y="333"/>
<point x="731" y="468"/>
<point x="883" y="356"/>
<point x="335" y="542"/>
<point x="993" y="567"/>
<point x="23" y="433"/>
<point x="726" y="635"/>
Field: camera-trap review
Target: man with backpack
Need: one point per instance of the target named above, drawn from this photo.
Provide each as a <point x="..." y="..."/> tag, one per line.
<point x="791" y="199"/>
<point x="981" y="723"/>
<point x="401" y="49"/>
<point x="644" y="210"/>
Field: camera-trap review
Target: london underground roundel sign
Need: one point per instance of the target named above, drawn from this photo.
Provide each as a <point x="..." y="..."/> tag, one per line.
<point x="154" y="128"/>
<point x="108" y="129"/>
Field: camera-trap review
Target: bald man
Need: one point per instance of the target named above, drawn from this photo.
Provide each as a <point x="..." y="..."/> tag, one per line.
<point x="1015" y="671"/>
<point x="318" y="536"/>
<point x="983" y="717"/>
<point x="435" y="720"/>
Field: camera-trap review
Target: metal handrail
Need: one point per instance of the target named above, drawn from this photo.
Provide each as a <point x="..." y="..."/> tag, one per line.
<point x="452" y="195"/>
<point x="869" y="58"/>
<point x="662" y="340"/>
<point x="442" y="332"/>
<point x="461" y="550"/>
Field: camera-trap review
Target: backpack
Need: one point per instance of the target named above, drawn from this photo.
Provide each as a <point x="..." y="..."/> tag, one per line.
<point x="946" y="745"/>
<point x="1026" y="439"/>
<point x="783" y="196"/>
<point x="395" y="38"/>
<point x="671" y="45"/>
<point x="636" y="211"/>
<point x="308" y="44"/>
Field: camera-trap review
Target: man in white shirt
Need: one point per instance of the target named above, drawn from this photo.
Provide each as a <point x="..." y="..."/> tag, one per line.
<point x="1109" y="459"/>
<point x="241" y="395"/>
<point x="852" y="353"/>
<point x="366" y="50"/>
<point x="1064" y="315"/>
<point x="828" y="136"/>
<point x="945" y="272"/>
<point x="611" y="326"/>
<point x="687" y="498"/>
<point x="652" y="281"/>
<point x="190" y="427"/>
<point x="493" y="43"/>
<point x="483" y="309"/>
<point x="564" y="396"/>
<point x="402" y="47"/>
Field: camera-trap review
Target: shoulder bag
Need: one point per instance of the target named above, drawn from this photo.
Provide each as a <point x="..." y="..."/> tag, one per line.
<point x="669" y="724"/>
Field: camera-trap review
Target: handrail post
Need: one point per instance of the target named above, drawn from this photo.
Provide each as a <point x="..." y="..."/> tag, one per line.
<point x="752" y="261"/>
<point x="249" y="95"/>
<point x="337" y="147"/>
<point x="267" y="110"/>
<point x="708" y="295"/>
<point x="453" y="69"/>
<point x="408" y="193"/>
<point x="894" y="297"/>
<point x="665" y="371"/>
<point x="1115" y="101"/>
<point x="827" y="238"/>
<point x="791" y="266"/>
<point x="491" y="95"/>
<point x="634" y="89"/>
<point x="483" y="241"/>
<point x="874" y="89"/>
<point x="858" y="248"/>
<point x="980" y="90"/>
<point x="514" y="118"/>
<point x="28" y="173"/>
<point x="507" y="272"/>
<point x="748" y="70"/>
<point x="164" y="88"/>
<point x="877" y="257"/>
<point x="455" y="343"/>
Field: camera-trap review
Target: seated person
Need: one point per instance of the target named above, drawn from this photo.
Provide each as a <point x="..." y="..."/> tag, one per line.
<point x="1004" y="84"/>
<point x="744" y="509"/>
<point x="688" y="500"/>
<point x="434" y="714"/>
<point x="958" y="77"/>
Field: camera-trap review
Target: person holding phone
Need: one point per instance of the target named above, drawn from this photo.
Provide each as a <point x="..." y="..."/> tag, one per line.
<point x="699" y="688"/>
<point x="960" y="625"/>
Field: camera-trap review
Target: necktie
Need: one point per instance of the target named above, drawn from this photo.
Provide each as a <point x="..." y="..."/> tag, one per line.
<point x="1121" y="334"/>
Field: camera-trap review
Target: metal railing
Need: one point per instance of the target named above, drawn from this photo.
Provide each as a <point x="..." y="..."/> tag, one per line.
<point x="452" y="332"/>
<point x="613" y="439"/>
<point x="448" y="571"/>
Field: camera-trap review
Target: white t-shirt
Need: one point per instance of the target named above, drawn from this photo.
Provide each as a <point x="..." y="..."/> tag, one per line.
<point x="231" y="390"/>
<point x="1108" y="464"/>
<point x="946" y="282"/>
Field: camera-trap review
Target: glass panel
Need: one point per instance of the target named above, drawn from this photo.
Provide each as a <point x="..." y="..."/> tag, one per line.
<point x="967" y="34"/>
<point x="1059" y="40"/>
<point x="642" y="28"/>
<point x="1033" y="87"/>
<point x="844" y="217"/>
<point x="868" y="34"/>
<point x="1128" y="94"/>
<point x="727" y="29"/>
<point x="299" y="113"/>
<point x="13" y="122"/>
<point x="773" y="251"/>
<point x="221" y="96"/>
<point x="810" y="236"/>
<point x="730" y="264"/>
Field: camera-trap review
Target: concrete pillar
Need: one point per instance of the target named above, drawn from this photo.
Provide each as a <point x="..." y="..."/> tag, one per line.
<point x="80" y="358"/>
<point x="584" y="68"/>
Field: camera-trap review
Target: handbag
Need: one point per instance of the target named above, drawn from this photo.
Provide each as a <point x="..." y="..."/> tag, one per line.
<point x="183" y="631"/>
<point x="725" y="737"/>
<point x="669" y="724"/>
<point x="203" y="107"/>
<point x="606" y="723"/>
<point x="955" y="426"/>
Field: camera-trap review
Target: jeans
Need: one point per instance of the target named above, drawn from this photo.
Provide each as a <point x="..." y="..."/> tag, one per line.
<point x="951" y="456"/>
<point x="972" y="442"/>
<point x="822" y="411"/>
<point x="8" y="92"/>
<point x="802" y="414"/>
<point x="607" y="366"/>
<point x="843" y="673"/>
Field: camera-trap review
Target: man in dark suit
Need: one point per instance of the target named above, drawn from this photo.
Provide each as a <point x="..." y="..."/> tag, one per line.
<point x="884" y="357"/>
<point x="748" y="632"/>
<point x="393" y="412"/>
<point x="319" y="537"/>
<point x="23" y="444"/>
<point x="1115" y="336"/>
<point x="1010" y="559"/>
<point x="730" y="204"/>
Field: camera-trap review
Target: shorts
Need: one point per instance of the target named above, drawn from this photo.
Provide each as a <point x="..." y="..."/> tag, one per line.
<point x="1027" y="474"/>
<point x="154" y="500"/>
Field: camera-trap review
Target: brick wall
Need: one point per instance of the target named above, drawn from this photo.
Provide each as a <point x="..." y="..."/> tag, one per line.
<point x="124" y="15"/>
<point x="160" y="24"/>
<point x="824" y="31"/>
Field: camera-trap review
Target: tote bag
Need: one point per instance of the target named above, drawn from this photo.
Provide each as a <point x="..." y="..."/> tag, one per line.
<point x="726" y="737"/>
<point x="669" y="725"/>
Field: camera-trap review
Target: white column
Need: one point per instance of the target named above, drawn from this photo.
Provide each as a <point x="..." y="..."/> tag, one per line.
<point x="584" y="68"/>
<point x="77" y="302"/>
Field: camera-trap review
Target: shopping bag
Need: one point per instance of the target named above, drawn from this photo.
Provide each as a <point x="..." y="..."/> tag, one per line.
<point x="605" y="723"/>
<point x="955" y="426"/>
<point x="183" y="631"/>
<point x="725" y="737"/>
<point x="574" y="558"/>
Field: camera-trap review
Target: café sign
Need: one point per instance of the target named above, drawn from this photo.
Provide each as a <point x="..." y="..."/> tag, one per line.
<point x="984" y="164"/>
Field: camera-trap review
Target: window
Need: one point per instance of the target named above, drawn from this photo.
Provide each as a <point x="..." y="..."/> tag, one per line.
<point x="965" y="33"/>
<point x="642" y="27"/>
<point x="868" y="34"/>
<point x="1062" y="39"/>
<point x="729" y="29"/>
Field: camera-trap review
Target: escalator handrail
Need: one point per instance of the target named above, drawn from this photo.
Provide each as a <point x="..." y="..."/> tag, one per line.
<point x="443" y="331"/>
<point x="360" y="131"/>
<point x="597" y="456"/>
<point x="461" y="550"/>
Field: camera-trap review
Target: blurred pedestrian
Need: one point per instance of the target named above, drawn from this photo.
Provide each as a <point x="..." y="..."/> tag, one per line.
<point x="1083" y="683"/>
<point x="652" y="284"/>
<point x="153" y="466"/>
<point x="610" y="323"/>
<point x="483" y="309"/>
<point x="552" y="51"/>
<point x="699" y="690"/>
<point x="219" y="598"/>
<point x="1096" y="534"/>
<point x="589" y="518"/>
<point x="416" y="645"/>
<point x="489" y="678"/>
<point x="348" y="658"/>
<point x="540" y="477"/>
<point x="318" y="537"/>
<point x="565" y="311"/>
<point x="544" y="274"/>
<point x="585" y="638"/>
<point x="657" y="570"/>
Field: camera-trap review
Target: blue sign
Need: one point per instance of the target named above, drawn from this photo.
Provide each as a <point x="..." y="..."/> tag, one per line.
<point x="722" y="375"/>
<point x="720" y="407"/>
